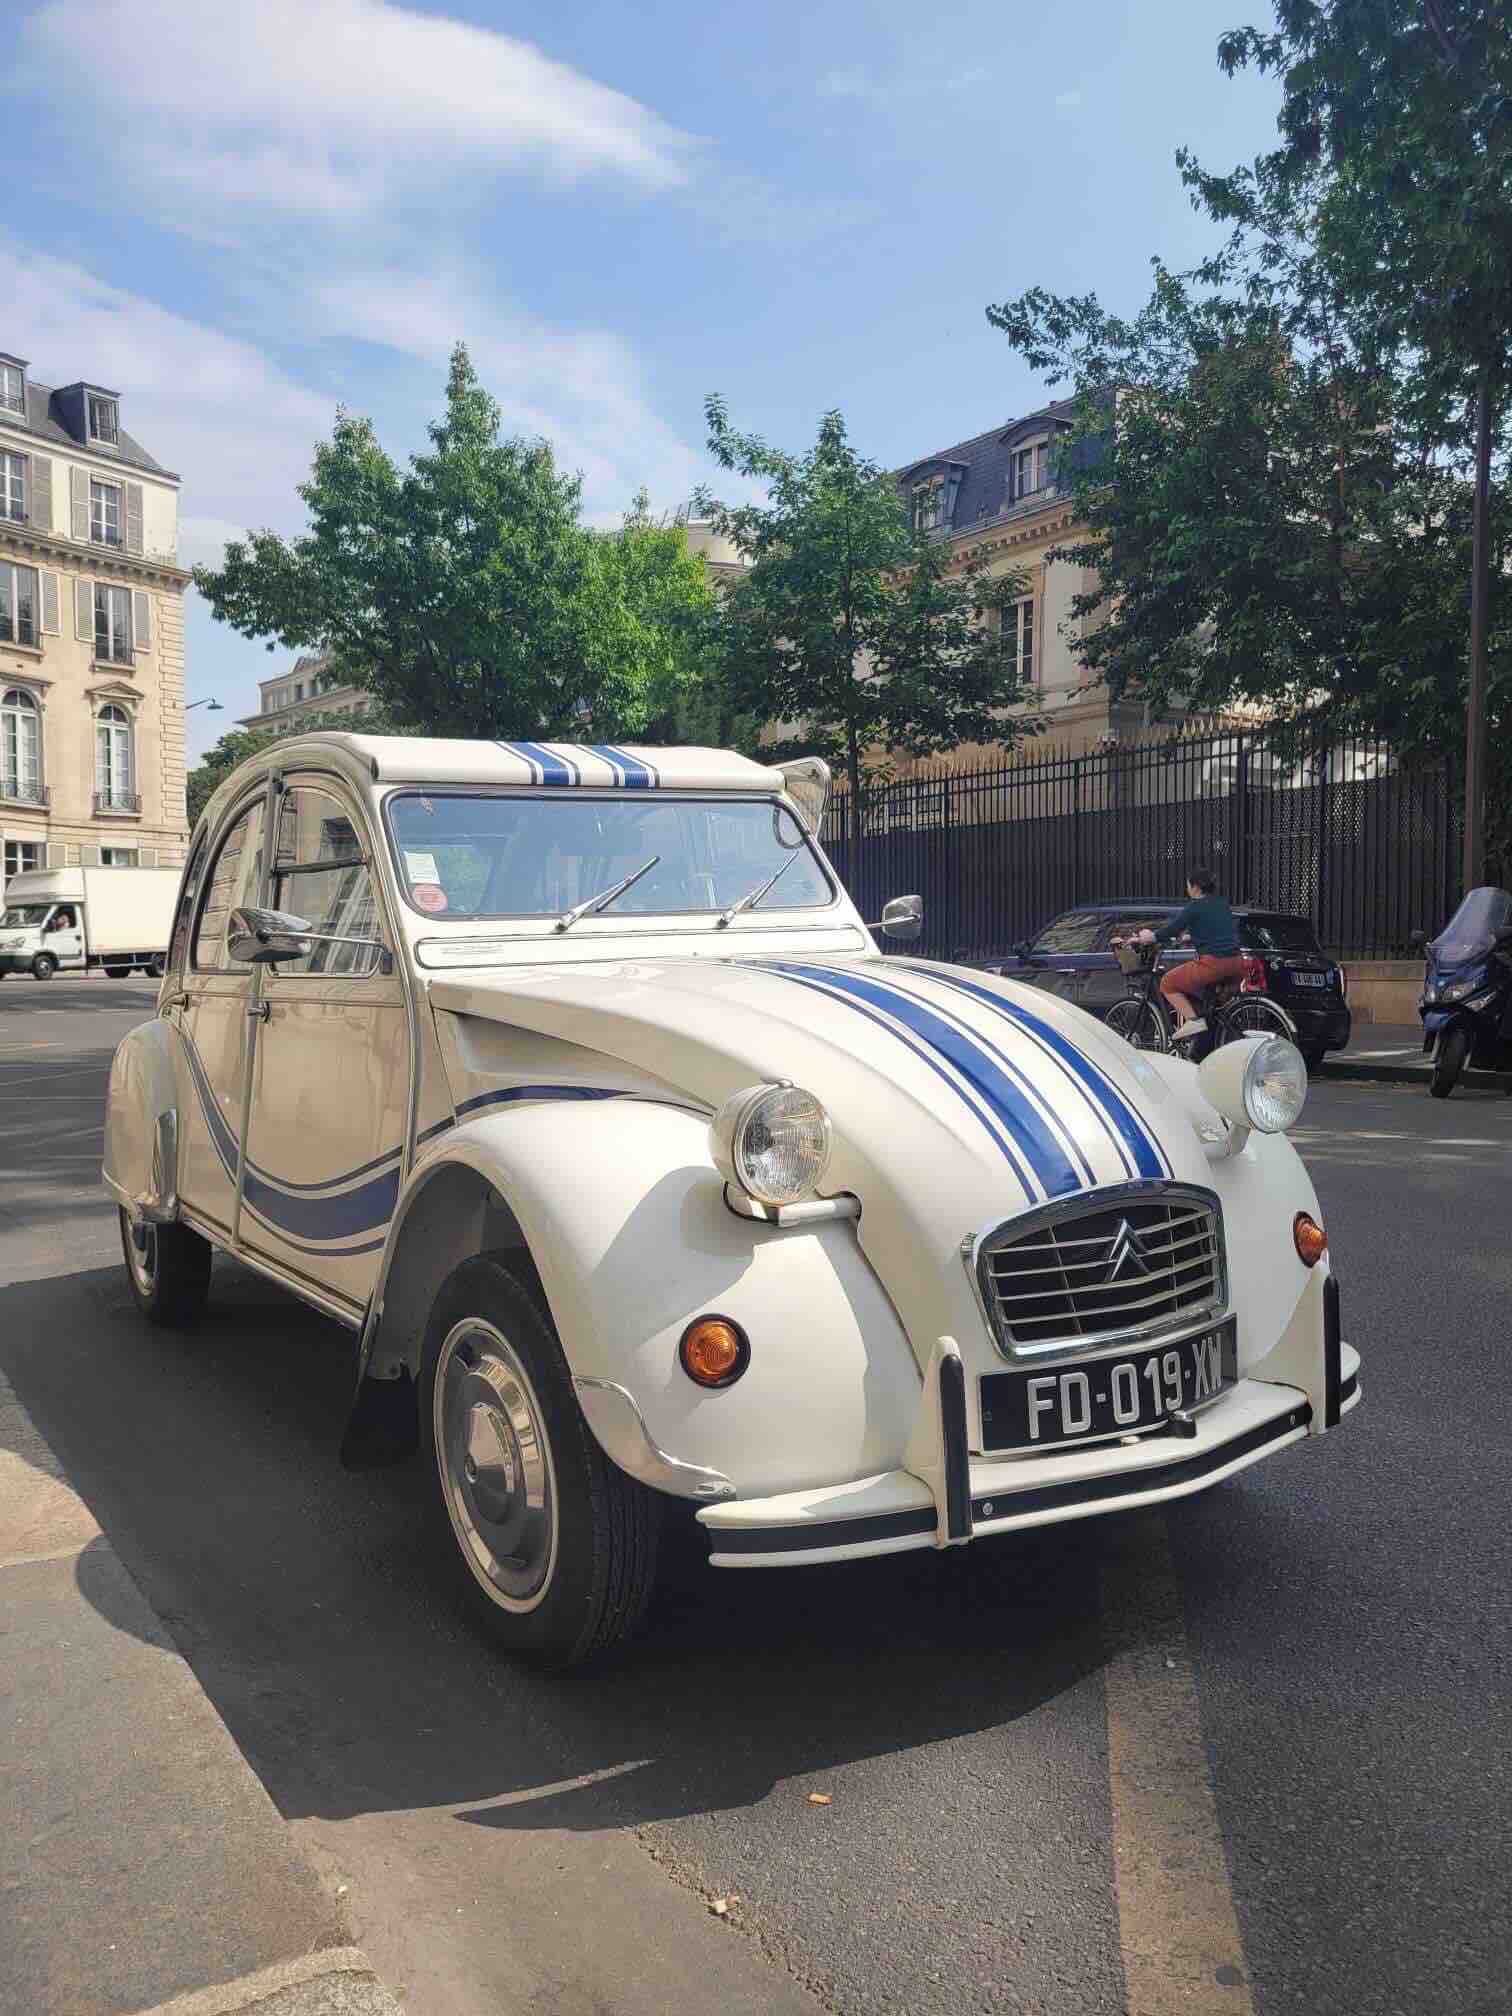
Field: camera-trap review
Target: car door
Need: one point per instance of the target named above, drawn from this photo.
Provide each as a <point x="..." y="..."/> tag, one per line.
<point x="65" y="939"/>
<point x="331" y="1064"/>
<point x="210" y="1011"/>
<point x="1105" y="981"/>
<point x="1060" y="956"/>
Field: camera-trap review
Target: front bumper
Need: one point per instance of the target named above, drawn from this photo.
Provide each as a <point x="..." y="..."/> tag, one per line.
<point x="948" y="1497"/>
<point x="1326" y="1027"/>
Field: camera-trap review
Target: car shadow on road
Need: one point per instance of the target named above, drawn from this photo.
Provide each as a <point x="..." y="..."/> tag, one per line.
<point x="325" y="1628"/>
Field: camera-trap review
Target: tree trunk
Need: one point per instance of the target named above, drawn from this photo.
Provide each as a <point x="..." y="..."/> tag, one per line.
<point x="1480" y="594"/>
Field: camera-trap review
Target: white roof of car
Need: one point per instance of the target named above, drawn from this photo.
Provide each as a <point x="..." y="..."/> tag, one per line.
<point x="417" y="759"/>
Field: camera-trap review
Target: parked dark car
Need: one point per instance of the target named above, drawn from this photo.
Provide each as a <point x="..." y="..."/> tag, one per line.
<point x="1073" y="957"/>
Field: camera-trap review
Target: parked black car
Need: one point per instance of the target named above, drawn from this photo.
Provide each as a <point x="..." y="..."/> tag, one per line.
<point x="1073" y="957"/>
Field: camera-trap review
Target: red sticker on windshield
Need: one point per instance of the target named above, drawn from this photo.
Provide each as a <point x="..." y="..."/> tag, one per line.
<point x="429" y="896"/>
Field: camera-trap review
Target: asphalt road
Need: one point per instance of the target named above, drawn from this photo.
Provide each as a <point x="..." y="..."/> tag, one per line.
<point x="1251" y="1755"/>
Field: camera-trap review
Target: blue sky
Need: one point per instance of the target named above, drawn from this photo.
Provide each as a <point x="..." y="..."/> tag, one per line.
<point x="243" y="215"/>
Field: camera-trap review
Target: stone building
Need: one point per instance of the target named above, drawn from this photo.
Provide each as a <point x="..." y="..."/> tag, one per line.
<point x="308" y="688"/>
<point x="91" y="634"/>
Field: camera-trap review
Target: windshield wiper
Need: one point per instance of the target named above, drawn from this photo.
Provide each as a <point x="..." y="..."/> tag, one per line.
<point x="754" y="896"/>
<point x="591" y="906"/>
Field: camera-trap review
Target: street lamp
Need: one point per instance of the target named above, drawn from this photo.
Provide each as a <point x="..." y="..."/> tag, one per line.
<point x="214" y="706"/>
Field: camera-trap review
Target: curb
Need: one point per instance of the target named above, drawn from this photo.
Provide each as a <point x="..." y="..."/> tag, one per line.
<point x="1410" y="1074"/>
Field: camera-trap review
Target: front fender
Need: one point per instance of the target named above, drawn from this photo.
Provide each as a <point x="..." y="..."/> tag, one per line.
<point x="623" y="1214"/>
<point x="140" y="1165"/>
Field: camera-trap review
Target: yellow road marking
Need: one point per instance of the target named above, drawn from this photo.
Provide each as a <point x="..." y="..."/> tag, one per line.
<point x="1182" y="1951"/>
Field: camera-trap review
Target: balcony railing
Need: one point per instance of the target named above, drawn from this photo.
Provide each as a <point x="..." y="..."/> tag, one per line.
<point x="117" y="801"/>
<point x="14" y="792"/>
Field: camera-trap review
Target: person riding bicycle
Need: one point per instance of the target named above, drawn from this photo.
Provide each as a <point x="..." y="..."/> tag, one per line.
<point x="1215" y="943"/>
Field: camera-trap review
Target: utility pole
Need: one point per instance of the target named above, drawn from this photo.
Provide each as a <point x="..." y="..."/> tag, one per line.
<point x="1480" y="595"/>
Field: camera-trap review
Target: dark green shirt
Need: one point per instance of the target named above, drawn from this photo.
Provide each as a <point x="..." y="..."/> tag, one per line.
<point x="1211" y="923"/>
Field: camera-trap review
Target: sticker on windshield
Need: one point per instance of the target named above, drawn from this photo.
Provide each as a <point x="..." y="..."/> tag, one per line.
<point x="421" y="867"/>
<point x="428" y="896"/>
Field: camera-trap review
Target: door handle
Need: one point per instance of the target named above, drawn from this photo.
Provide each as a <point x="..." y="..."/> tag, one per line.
<point x="259" y="1011"/>
<point x="174" y="1001"/>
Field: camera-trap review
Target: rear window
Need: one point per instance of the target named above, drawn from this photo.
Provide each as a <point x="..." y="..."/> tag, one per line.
<point x="1278" y="934"/>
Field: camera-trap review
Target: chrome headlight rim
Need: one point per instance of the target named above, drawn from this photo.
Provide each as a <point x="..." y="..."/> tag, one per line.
<point x="1272" y="1056"/>
<point x="729" y="1136"/>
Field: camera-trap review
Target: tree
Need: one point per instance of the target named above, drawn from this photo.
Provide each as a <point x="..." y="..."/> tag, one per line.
<point x="849" y="619"/>
<point x="1407" y="105"/>
<point x="465" y="593"/>
<point x="238" y="744"/>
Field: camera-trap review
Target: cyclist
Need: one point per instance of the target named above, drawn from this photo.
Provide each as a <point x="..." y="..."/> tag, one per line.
<point x="1215" y="942"/>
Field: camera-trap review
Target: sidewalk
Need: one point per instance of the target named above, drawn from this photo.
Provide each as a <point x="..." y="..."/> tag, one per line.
<point x="1392" y="1054"/>
<point x="143" y="1868"/>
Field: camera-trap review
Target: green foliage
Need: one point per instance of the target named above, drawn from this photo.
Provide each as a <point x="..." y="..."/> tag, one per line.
<point x="848" y="620"/>
<point x="466" y="594"/>
<point x="238" y="744"/>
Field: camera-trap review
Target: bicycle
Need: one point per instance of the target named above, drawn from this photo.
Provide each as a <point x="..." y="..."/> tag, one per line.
<point x="1143" y="1019"/>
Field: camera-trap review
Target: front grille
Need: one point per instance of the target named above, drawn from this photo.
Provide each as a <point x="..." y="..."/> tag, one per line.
<point x="1140" y="1264"/>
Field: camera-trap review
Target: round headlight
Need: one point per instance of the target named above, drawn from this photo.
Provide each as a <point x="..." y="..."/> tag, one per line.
<point x="1275" y="1085"/>
<point x="773" y="1141"/>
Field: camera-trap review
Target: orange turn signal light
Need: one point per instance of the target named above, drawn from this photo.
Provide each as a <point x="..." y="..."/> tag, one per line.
<point x="714" y="1351"/>
<point x="1310" y="1238"/>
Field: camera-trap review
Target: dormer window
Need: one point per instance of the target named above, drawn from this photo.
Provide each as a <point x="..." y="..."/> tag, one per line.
<point x="1031" y="468"/>
<point x="104" y="424"/>
<point x="927" y="501"/>
<point x="12" y="388"/>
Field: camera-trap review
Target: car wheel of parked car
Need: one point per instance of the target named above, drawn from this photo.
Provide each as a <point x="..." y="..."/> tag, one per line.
<point x="117" y="972"/>
<point x="155" y="968"/>
<point x="1449" y="1062"/>
<point x="1312" y="1057"/>
<point x="44" y="966"/>
<point x="557" y="1546"/>
<point x="1138" y="1022"/>
<point x="168" y="1268"/>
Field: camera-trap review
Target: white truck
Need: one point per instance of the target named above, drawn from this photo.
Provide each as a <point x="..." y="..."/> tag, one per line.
<point x="86" y="919"/>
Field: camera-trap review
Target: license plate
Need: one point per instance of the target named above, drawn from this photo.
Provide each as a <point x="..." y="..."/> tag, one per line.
<point x="1109" y="1396"/>
<point x="1311" y="979"/>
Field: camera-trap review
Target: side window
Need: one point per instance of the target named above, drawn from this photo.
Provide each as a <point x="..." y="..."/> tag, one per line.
<point x="183" y="916"/>
<point x="320" y="874"/>
<point x="1075" y="932"/>
<point x="233" y="880"/>
<point x="1126" y="925"/>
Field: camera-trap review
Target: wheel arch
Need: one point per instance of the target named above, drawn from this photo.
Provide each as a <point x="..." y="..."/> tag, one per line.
<point x="140" y="1162"/>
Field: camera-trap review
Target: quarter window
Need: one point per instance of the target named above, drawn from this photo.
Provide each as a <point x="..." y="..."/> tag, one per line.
<point x="319" y="874"/>
<point x="112" y="624"/>
<point x="235" y="880"/>
<point x="13" y="487"/>
<point x="1075" y="932"/>
<point x="102" y="419"/>
<point x="12" y="388"/>
<point x="105" y="513"/>
<point x="20" y="746"/>
<point x="18" y="604"/>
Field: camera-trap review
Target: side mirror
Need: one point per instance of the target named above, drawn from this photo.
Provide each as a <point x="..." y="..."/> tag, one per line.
<point x="263" y="937"/>
<point x="903" y="917"/>
<point x="808" y="785"/>
<point x="1022" y="949"/>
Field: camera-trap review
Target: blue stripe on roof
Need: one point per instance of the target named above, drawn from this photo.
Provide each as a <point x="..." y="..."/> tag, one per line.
<point x="554" y="769"/>
<point x="1148" y="1156"/>
<point x="637" y="775"/>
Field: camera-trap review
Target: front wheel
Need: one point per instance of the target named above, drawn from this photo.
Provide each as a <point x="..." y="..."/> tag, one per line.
<point x="168" y="1269"/>
<point x="1449" y="1061"/>
<point x="556" y="1546"/>
<point x="1252" y="1015"/>
<point x="1138" y="1021"/>
<point x="44" y="966"/>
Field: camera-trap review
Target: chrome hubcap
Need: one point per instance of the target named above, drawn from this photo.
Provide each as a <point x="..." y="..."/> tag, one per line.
<point x="495" y="1464"/>
<point x="141" y="1256"/>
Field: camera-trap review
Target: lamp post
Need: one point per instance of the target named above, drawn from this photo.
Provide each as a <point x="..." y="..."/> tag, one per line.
<point x="214" y="706"/>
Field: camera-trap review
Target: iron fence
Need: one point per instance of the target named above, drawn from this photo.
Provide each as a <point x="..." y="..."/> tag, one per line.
<point x="1364" y="842"/>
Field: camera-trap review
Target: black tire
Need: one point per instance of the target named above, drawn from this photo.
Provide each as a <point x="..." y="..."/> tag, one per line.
<point x="44" y="966"/>
<point x="155" y="968"/>
<point x="1252" y="1015"/>
<point x="167" y="1271"/>
<point x="1449" y="1061"/>
<point x="1312" y="1057"/>
<point x="1138" y="1021"/>
<point x="117" y="972"/>
<point x="556" y="1587"/>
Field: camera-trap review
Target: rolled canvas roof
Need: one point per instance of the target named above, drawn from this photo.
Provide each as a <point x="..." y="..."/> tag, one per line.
<point x="568" y="765"/>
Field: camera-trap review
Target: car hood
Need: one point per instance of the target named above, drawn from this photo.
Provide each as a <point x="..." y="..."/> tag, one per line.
<point x="958" y="1099"/>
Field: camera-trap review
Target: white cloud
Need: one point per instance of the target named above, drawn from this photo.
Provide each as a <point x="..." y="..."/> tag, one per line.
<point x="329" y="107"/>
<point x="888" y="91"/>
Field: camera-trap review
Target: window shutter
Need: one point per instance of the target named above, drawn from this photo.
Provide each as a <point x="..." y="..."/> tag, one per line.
<point x="39" y="494"/>
<point x="79" y="486"/>
<point x="141" y="618"/>
<point x="147" y="857"/>
<point x="133" y="517"/>
<point x="84" y="611"/>
<point x="51" y="620"/>
<point x="89" y="857"/>
<point x="72" y="853"/>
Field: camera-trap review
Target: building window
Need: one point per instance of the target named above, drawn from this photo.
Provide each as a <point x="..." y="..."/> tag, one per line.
<point x="20" y="747"/>
<point x="1018" y="620"/>
<point x="112" y="624"/>
<point x="21" y="855"/>
<point x="13" y="487"/>
<point x="18" y="604"/>
<point x="102" y="420"/>
<point x="118" y="857"/>
<point x="105" y="513"/>
<point x="1031" y="469"/>
<point x="12" y="388"/>
<point x="113" y="765"/>
<point x="926" y="506"/>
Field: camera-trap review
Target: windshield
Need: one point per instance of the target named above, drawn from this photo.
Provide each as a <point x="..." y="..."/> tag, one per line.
<point x="1278" y="934"/>
<point x="1470" y="931"/>
<point x="26" y="913"/>
<point x="478" y="854"/>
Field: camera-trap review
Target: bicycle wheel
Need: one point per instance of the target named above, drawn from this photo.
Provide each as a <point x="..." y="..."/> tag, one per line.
<point x="1139" y="1022"/>
<point x="1252" y="1015"/>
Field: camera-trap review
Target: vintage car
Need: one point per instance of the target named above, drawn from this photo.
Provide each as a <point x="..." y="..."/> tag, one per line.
<point x="572" y="1083"/>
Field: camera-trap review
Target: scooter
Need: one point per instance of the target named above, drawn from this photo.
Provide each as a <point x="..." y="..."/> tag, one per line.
<point x="1467" y="993"/>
